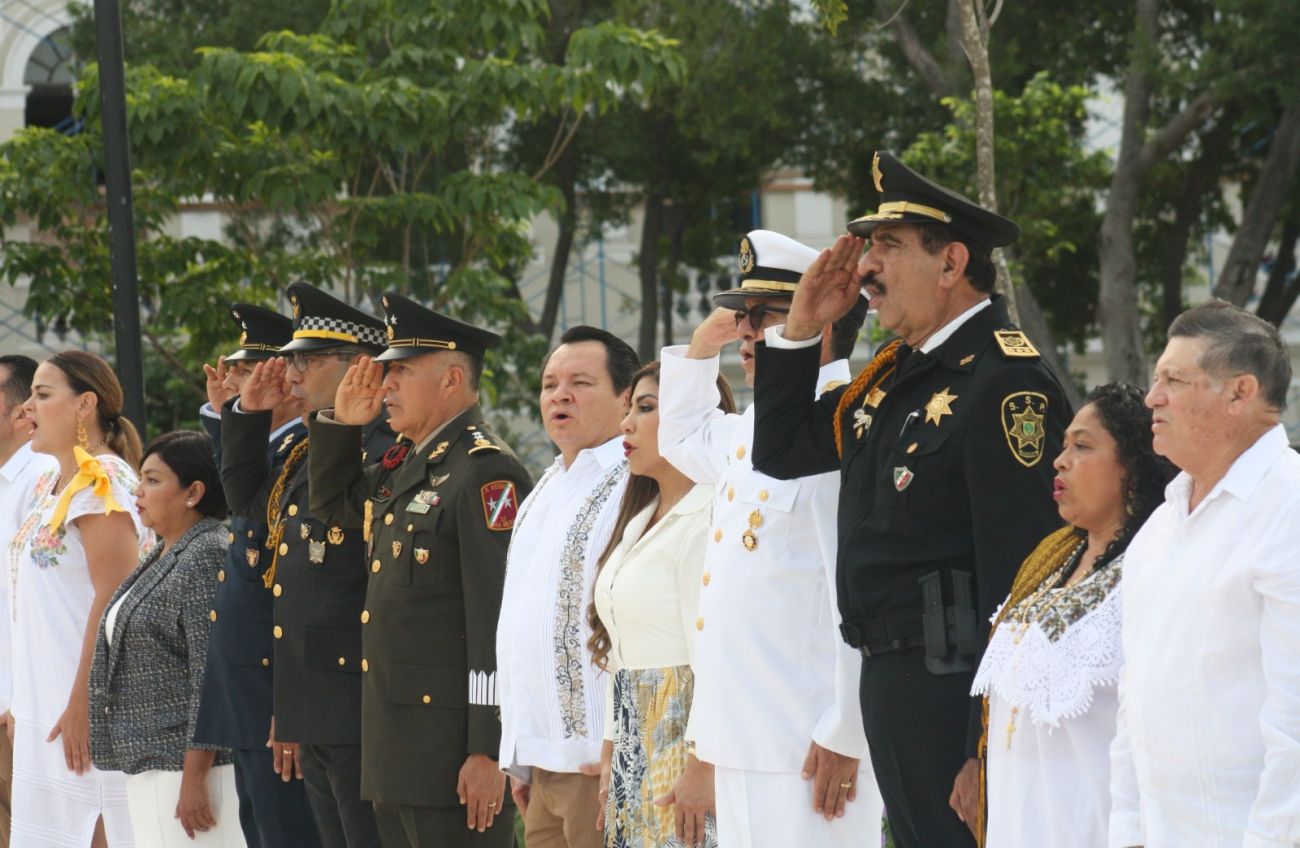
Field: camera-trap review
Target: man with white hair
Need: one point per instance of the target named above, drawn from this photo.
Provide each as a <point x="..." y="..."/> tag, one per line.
<point x="1207" y="751"/>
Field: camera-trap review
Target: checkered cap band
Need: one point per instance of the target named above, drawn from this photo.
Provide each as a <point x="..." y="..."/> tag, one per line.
<point x="316" y="327"/>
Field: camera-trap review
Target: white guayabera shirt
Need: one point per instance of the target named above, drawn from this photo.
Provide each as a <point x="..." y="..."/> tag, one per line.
<point x="552" y="696"/>
<point x="1207" y="751"/>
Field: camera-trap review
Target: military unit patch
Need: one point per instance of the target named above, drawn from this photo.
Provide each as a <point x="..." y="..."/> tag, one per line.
<point x="500" y="504"/>
<point x="1023" y="417"/>
<point x="903" y="477"/>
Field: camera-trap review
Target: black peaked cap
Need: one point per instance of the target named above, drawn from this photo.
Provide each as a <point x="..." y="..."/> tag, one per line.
<point x="262" y="332"/>
<point x="414" y="330"/>
<point x="322" y="321"/>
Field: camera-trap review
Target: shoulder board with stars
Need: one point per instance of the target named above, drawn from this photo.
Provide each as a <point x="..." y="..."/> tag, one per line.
<point x="482" y="444"/>
<point x="1015" y="345"/>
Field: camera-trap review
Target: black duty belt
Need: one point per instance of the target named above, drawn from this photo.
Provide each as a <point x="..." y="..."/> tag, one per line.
<point x="873" y="637"/>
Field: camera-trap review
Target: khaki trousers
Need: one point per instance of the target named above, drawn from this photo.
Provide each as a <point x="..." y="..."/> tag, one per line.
<point x="562" y="809"/>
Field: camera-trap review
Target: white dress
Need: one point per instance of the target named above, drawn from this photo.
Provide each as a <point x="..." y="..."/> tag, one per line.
<point x="1050" y="674"/>
<point x="52" y="595"/>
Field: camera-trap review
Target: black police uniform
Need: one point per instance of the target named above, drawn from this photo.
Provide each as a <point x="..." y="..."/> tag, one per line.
<point x="235" y="705"/>
<point x="318" y="585"/>
<point x="439" y="521"/>
<point x="946" y="476"/>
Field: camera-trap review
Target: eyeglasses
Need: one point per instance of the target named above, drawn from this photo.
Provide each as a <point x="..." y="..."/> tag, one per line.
<point x="757" y="314"/>
<point x="303" y="361"/>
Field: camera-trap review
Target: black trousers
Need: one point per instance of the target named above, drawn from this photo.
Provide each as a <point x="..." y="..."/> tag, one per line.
<point x="272" y="813"/>
<point x="916" y="726"/>
<point x="401" y="826"/>
<point x="333" y="777"/>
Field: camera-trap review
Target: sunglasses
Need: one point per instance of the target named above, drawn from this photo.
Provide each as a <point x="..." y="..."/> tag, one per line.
<point x="757" y="314"/>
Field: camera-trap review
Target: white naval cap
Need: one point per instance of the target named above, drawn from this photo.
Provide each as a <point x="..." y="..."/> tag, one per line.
<point x="770" y="266"/>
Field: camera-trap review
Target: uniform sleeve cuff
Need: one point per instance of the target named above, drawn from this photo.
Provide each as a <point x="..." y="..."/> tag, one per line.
<point x="207" y="411"/>
<point x="773" y="337"/>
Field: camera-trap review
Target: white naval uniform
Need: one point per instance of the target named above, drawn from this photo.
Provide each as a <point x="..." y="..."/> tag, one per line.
<point x="772" y="674"/>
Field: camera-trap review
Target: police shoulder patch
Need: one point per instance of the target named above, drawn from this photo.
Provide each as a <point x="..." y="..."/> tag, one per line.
<point x="1024" y="415"/>
<point x="1014" y="345"/>
<point x="500" y="504"/>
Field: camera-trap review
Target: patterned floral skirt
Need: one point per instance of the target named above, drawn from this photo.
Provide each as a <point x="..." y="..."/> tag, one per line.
<point x="651" y="706"/>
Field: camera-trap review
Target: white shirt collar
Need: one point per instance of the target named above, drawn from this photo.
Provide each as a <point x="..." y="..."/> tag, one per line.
<point x="606" y="455"/>
<point x="945" y="332"/>
<point x="283" y="428"/>
<point x="16" y="463"/>
<point x="1243" y="476"/>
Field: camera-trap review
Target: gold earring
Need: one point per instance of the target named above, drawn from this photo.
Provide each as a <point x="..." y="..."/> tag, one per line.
<point x="83" y="440"/>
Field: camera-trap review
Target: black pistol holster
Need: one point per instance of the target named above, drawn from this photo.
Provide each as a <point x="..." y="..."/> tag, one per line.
<point x="950" y="629"/>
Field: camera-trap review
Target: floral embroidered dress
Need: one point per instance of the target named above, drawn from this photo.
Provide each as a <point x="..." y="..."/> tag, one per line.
<point x="52" y="595"/>
<point x="647" y="596"/>
<point x="1050" y="674"/>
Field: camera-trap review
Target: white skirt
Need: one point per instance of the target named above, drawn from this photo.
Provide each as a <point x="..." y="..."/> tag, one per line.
<point x="152" y="797"/>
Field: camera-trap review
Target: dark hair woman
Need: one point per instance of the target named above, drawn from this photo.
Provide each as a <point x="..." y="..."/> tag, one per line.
<point x="1050" y="671"/>
<point x="643" y="627"/>
<point x="80" y="538"/>
<point x="147" y="672"/>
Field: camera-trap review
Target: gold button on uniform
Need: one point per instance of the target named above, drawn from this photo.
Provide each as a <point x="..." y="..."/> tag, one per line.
<point x="427" y="699"/>
<point x="707" y="578"/>
<point x="912" y="447"/>
<point x="293" y="509"/>
<point x="277" y="631"/>
<point x="266" y="662"/>
<point x="740" y="452"/>
<point x="699" y="624"/>
<point x="212" y="615"/>
<point x="717" y="535"/>
<point x="388" y="519"/>
<point x="762" y="494"/>
<point x="284" y="548"/>
<point x="365" y="665"/>
<point x="365" y="616"/>
<point x="374" y="566"/>
<point x="731" y="494"/>
<point x="343" y="661"/>
<point x="221" y="576"/>
<point x="231" y="539"/>
<point x="277" y="589"/>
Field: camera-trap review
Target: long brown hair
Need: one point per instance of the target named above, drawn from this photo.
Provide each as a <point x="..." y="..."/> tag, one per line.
<point x="641" y="491"/>
<point x="86" y="372"/>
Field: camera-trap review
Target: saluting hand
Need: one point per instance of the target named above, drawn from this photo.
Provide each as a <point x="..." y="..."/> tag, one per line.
<point x="713" y="334"/>
<point x="482" y="790"/>
<point x="834" y="777"/>
<point x="265" y="388"/>
<point x="360" y="396"/>
<point x="218" y="394"/>
<point x="827" y="290"/>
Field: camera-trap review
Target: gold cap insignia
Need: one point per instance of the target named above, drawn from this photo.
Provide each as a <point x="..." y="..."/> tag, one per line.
<point x="243" y="338"/>
<point x="1023" y="417"/>
<point x="876" y="176"/>
<point x="297" y="310"/>
<point x="391" y="333"/>
<point x="746" y="256"/>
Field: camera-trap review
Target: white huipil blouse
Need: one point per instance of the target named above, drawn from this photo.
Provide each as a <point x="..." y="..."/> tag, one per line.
<point x="1050" y="675"/>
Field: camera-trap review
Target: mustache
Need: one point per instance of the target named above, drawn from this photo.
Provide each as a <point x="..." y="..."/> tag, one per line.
<point x="871" y="280"/>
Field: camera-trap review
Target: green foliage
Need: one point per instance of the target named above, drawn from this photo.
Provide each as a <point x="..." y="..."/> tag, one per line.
<point x="1047" y="183"/>
<point x="364" y="156"/>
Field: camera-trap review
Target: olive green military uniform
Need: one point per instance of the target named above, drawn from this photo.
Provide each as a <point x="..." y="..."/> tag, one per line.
<point x="439" y="526"/>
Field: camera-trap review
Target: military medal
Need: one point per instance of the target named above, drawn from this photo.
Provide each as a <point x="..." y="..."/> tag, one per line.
<point x="903" y="477"/>
<point x="397" y="549"/>
<point x="756" y="519"/>
<point x="251" y="556"/>
<point x="418" y="508"/>
<point x="428" y="496"/>
<point x="335" y="535"/>
<point x="316" y="551"/>
<point x="750" y="540"/>
<point x="861" y="423"/>
<point x="422" y="555"/>
<point x="304" y="530"/>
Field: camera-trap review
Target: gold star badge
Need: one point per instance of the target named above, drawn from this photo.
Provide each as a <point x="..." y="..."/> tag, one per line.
<point x="940" y="405"/>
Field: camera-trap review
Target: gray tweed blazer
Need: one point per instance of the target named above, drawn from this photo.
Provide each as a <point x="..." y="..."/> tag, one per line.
<point x="145" y="684"/>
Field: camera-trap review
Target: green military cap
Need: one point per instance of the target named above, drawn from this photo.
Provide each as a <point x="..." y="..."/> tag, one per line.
<point x="322" y="322"/>
<point x="906" y="197"/>
<point x="413" y="330"/>
<point x="262" y="332"/>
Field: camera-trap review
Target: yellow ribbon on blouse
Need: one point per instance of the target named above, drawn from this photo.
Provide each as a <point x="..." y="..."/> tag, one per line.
<point x="89" y="473"/>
